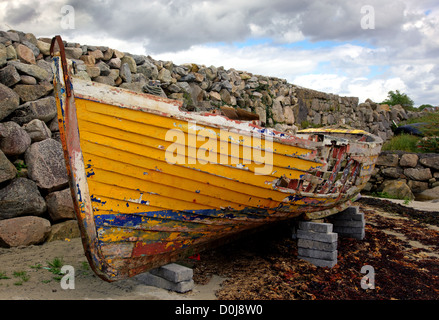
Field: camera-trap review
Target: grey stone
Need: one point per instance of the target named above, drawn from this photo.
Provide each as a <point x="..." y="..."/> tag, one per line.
<point x="37" y="130"/>
<point x="114" y="63"/>
<point x="211" y="73"/>
<point x="43" y="109"/>
<point x="48" y="67"/>
<point x="21" y="197"/>
<point x="31" y="46"/>
<point x="134" y="86"/>
<point x="29" y="92"/>
<point x="149" y="70"/>
<point x="392" y="172"/>
<point x="430" y="194"/>
<point x="187" y="78"/>
<point x="11" y="54"/>
<point x="46" y="165"/>
<point x="25" y="79"/>
<point x="417" y="186"/>
<point x="36" y="71"/>
<point x="44" y="47"/>
<point x="164" y="76"/>
<point x="3" y="55"/>
<point x="409" y="160"/>
<point x="9" y="101"/>
<point x="131" y="63"/>
<point x="125" y="73"/>
<point x="103" y="68"/>
<point x="14" y="140"/>
<point x="431" y="161"/>
<point x="23" y="231"/>
<point x="73" y="53"/>
<point x="421" y="174"/>
<point x="60" y="205"/>
<point x="25" y="54"/>
<point x="105" y="80"/>
<point x="138" y="59"/>
<point x="277" y="111"/>
<point x="9" y="76"/>
<point x="387" y="159"/>
<point x="7" y="169"/>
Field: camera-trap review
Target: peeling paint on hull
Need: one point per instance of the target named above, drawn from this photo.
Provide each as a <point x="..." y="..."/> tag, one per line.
<point x="137" y="211"/>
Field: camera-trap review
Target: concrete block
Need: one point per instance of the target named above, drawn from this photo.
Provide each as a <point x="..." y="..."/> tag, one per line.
<point x="345" y="230"/>
<point x="351" y="213"/>
<point x="319" y="254"/>
<point x="173" y="272"/>
<point x="315" y="226"/>
<point x="319" y="262"/>
<point x="159" y="282"/>
<point x="355" y="233"/>
<point x="317" y="236"/>
<point x="349" y="223"/>
<point x="311" y="244"/>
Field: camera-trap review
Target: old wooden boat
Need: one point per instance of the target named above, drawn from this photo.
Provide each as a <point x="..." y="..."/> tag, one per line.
<point x="152" y="183"/>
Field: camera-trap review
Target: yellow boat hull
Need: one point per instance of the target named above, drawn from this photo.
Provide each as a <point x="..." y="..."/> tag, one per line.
<point x="152" y="183"/>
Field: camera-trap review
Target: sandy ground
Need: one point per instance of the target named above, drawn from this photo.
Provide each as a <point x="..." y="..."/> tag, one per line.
<point x="418" y="205"/>
<point x="24" y="271"/>
<point x="40" y="282"/>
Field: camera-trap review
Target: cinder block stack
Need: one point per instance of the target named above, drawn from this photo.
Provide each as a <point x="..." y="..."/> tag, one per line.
<point x="317" y="243"/>
<point x="349" y="223"/>
<point x="172" y="277"/>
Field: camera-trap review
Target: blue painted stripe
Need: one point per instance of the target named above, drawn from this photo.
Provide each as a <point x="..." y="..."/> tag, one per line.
<point x="136" y="219"/>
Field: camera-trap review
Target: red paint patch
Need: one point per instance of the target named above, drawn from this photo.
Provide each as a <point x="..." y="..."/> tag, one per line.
<point x="142" y="248"/>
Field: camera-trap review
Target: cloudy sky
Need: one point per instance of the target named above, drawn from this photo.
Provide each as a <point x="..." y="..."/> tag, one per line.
<point x="351" y="48"/>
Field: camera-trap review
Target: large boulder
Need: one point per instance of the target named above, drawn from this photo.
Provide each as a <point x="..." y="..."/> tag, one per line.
<point x="60" y="205"/>
<point x="429" y="194"/>
<point x="397" y="189"/>
<point x="21" y="197"/>
<point x="37" y="130"/>
<point x="35" y="71"/>
<point x="7" y="169"/>
<point x="9" y="101"/>
<point x="30" y="92"/>
<point x="65" y="230"/>
<point x="431" y="161"/>
<point x="46" y="165"/>
<point x="387" y="159"/>
<point x="43" y="109"/>
<point x="25" y="54"/>
<point x="23" y="231"/>
<point x="9" y="76"/>
<point x="420" y="174"/>
<point x="409" y="160"/>
<point x="14" y="140"/>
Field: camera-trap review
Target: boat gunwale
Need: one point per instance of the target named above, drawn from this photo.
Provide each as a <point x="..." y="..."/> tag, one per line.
<point x="237" y="126"/>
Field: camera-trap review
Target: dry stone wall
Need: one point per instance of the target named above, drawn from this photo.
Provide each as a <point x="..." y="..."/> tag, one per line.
<point x="406" y="176"/>
<point x="35" y="202"/>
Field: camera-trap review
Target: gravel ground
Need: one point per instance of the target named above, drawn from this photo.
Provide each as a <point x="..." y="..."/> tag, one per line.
<point x="401" y="244"/>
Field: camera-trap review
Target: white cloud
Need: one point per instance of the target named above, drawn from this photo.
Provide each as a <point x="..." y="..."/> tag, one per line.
<point x="404" y="43"/>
